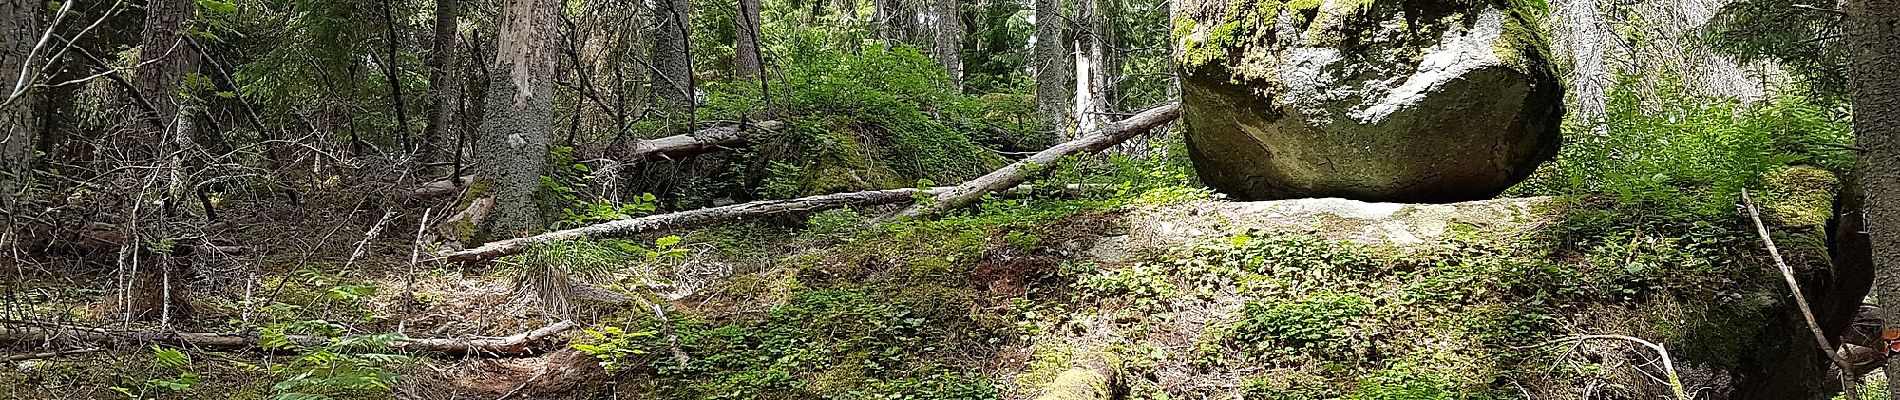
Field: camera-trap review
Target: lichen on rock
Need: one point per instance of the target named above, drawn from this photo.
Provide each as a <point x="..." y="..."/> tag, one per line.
<point x="1417" y="100"/>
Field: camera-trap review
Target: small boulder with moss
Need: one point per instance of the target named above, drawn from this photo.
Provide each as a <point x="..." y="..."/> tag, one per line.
<point x="1405" y="101"/>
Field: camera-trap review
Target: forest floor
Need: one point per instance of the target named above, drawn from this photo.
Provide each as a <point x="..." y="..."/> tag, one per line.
<point x="1165" y="293"/>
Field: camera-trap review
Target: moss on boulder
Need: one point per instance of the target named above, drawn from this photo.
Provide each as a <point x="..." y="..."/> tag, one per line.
<point x="1416" y="100"/>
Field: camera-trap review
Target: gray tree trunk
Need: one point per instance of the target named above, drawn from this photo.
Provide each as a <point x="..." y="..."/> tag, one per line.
<point x="1873" y="33"/>
<point x="946" y="27"/>
<point x="19" y="31"/>
<point x="1101" y="38"/>
<point x="1052" y="65"/>
<point x="442" y="51"/>
<point x="156" y="279"/>
<point x="513" y="147"/>
<point x="747" y="62"/>
<point x="672" y="56"/>
<point x="896" y="20"/>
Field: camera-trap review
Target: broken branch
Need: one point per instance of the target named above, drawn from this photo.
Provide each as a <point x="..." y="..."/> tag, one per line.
<point x="1801" y="301"/>
<point x="521" y="344"/>
<point x="700" y="217"/>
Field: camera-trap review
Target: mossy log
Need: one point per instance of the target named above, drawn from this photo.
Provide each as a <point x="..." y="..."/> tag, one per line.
<point x="521" y="344"/>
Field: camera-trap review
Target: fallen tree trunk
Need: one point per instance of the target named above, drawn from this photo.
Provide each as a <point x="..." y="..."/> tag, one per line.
<point x="700" y="217"/>
<point x="942" y="199"/>
<point x="520" y="344"/>
<point x="701" y="142"/>
<point x="1021" y="171"/>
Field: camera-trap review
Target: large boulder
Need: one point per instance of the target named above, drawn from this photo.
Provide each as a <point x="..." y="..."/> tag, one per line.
<point x="1408" y="101"/>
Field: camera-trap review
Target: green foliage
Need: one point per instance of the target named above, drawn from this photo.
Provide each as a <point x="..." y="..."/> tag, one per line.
<point x="169" y="359"/>
<point x="1688" y="158"/>
<point x="612" y="344"/>
<point x="1805" y="42"/>
<point x="833" y="344"/>
<point x="343" y="366"/>
<point x="1290" y="326"/>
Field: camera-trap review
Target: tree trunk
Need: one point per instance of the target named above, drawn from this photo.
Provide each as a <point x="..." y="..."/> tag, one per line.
<point x="747" y="62"/>
<point x="392" y="73"/>
<point x="1873" y="35"/>
<point x="672" y="57"/>
<point x="1091" y="67"/>
<point x="513" y="147"/>
<point x="442" y="51"/>
<point x="896" y="21"/>
<point x="19" y="31"/>
<point x="155" y="279"/>
<point x="946" y="26"/>
<point x="1052" y="65"/>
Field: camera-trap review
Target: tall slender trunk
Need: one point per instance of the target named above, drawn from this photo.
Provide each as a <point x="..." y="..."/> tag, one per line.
<point x="1873" y="35"/>
<point x="513" y="147"/>
<point x="747" y="62"/>
<point x="19" y="31"/>
<point x="392" y="71"/>
<point x="672" y="58"/>
<point x="946" y="27"/>
<point x="1093" y="67"/>
<point x="155" y="287"/>
<point x="442" y="87"/>
<point x="1052" y="65"/>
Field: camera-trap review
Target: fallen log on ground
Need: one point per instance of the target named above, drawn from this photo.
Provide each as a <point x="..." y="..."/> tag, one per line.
<point x="521" y="344"/>
<point x="693" y="218"/>
<point x="677" y="146"/>
<point x="943" y="198"/>
<point x="1040" y="163"/>
<point x="703" y="141"/>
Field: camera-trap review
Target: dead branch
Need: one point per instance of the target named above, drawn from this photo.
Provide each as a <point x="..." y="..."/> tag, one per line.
<point x="1801" y="301"/>
<point x="693" y="218"/>
<point x="1040" y="163"/>
<point x="521" y="344"/>
<point x="941" y="199"/>
<point x="50" y="354"/>
<point x="1668" y="365"/>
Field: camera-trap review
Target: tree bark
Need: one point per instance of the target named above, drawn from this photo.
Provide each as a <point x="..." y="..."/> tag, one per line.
<point x="672" y="57"/>
<point x="747" y="62"/>
<point x="19" y="31"/>
<point x="946" y="26"/>
<point x="155" y="287"/>
<point x="896" y="20"/>
<point x="1873" y="35"/>
<point x="521" y="344"/>
<point x="520" y="110"/>
<point x="442" y="52"/>
<point x="1022" y="171"/>
<point x="1052" y="65"/>
<point x="392" y="73"/>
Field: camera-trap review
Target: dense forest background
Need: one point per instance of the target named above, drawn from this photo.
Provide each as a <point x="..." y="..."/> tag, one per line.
<point x="307" y="185"/>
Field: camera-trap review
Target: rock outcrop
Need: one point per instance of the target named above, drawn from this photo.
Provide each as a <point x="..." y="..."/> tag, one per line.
<point x="1410" y="101"/>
